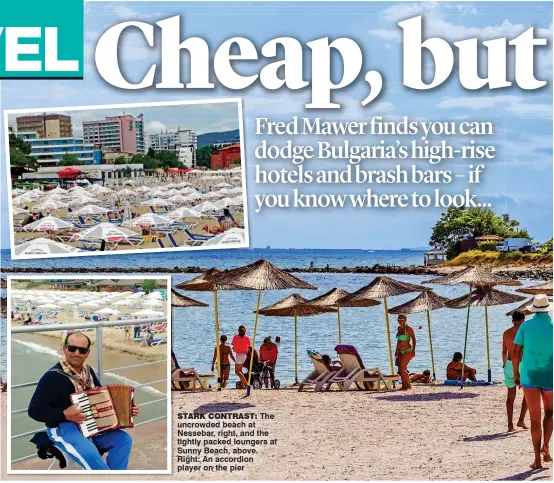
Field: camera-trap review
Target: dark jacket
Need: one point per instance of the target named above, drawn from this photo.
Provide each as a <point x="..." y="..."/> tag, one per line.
<point x="51" y="397"/>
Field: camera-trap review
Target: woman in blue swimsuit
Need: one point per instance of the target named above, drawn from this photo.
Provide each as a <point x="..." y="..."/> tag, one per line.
<point x="405" y="350"/>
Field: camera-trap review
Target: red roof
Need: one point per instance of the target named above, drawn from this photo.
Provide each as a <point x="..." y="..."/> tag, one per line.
<point x="69" y="173"/>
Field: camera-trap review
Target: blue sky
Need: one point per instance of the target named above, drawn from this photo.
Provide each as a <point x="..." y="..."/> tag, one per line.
<point x="518" y="181"/>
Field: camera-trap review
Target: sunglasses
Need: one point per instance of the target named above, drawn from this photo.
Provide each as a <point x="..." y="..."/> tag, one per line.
<point x="73" y="348"/>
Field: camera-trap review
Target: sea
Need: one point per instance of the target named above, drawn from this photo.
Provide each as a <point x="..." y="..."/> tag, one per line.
<point x="193" y="334"/>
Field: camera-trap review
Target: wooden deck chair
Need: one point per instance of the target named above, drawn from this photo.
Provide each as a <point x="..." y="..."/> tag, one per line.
<point x="354" y="372"/>
<point x="319" y="376"/>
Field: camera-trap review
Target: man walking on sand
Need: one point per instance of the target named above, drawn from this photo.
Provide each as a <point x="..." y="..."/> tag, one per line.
<point x="532" y="359"/>
<point x="507" y="353"/>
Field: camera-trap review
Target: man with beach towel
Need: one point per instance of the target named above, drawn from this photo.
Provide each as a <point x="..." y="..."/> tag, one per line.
<point x="532" y="360"/>
<point x="51" y="404"/>
<point x="507" y="354"/>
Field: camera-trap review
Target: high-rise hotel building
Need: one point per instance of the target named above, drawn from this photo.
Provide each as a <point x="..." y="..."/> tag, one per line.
<point x="119" y="134"/>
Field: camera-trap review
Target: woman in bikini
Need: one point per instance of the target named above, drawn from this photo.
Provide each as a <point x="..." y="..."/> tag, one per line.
<point x="225" y="353"/>
<point x="405" y="350"/>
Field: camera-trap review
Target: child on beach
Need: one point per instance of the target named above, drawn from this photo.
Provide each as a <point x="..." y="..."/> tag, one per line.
<point x="127" y="329"/>
<point x="507" y="353"/>
<point x="225" y="352"/>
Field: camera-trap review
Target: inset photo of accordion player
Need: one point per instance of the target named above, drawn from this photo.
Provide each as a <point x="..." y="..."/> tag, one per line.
<point x="88" y="375"/>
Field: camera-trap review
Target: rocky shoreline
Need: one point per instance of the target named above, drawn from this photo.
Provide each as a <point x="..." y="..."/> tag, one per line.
<point x="527" y="273"/>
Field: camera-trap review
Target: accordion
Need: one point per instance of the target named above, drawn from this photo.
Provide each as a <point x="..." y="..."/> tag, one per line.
<point x="106" y="407"/>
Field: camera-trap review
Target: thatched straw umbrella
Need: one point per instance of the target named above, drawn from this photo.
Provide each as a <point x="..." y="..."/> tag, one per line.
<point x="474" y="277"/>
<point x="294" y="306"/>
<point x="330" y="299"/>
<point x="545" y="288"/>
<point x="522" y="308"/>
<point x="424" y="302"/>
<point x="261" y="275"/>
<point x="205" y="282"/>
<point x="380" y="288"/>
<point x="178" y="300"/>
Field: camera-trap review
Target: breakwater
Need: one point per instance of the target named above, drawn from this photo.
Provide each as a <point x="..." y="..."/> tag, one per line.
<point x="527" y="273"/>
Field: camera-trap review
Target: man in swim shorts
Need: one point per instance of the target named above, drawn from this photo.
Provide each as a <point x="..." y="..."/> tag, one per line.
<point x="532" y="359"/>
<point x="507" y="351"/>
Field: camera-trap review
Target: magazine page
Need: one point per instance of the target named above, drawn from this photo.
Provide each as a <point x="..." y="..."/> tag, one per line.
<point x="276" y="240"/>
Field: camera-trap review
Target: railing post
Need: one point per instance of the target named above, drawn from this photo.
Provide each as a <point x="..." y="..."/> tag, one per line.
<point x="99" y="352"/>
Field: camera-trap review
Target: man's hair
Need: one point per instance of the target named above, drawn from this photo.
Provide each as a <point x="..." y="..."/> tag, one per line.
<point x="426" y="372"/>
<point x="223" y="338"/>
<point x="242" y="327"/>
<point x="66" y="341"/>
<point x="518" y="316"/>
<point x="457" y="357"/>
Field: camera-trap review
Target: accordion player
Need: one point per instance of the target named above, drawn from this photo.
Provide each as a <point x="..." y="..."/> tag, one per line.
<point x="52" y="404"/>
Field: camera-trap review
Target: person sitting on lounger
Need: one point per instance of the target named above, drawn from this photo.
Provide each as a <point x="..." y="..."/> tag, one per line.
<point x="454" y="369"/>
<point x="227" y="220"/>
<point x="27" y="320"/>
<point x="225" y="352"/>
<point x="147" y="341"/>
<point x="214" y="230"/>
<point x="424" y="378"/>
<point x="333" y="366"/>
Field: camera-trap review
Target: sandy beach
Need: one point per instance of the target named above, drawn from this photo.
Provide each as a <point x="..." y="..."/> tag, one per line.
<point x="430" y="432"/>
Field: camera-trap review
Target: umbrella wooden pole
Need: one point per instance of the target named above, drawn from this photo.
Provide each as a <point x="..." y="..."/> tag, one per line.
<point x="489" y="373"/>
<point x="388" y="335"/>
<point x="467" y="329"/>
<point x="218" y="355"/>
<point x="431" y="343"/>
<point x="253" y="342"/>
<point x="338" y="321"/>
<point x="295" y="349"/>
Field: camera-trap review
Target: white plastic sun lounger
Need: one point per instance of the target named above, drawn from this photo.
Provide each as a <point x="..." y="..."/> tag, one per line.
<point x="318" y="377"/>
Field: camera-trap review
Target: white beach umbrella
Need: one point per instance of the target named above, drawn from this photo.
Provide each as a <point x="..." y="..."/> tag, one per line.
<point x="153" y="303"/>
<point x="126" y="193"/>
<point x="58" y="189"/>
<point x="49" y="205"/>
<point x="225" y="202"/>
<point x="107" y="311"/>
<point x="48" y="223"/>
<point x="49" y="306"/>
<point x="184" y="212"/>
<point x="43" y="246"/>
<point x="66" y="302"/>
<point x="105" y="231"/>
<point x="83" y="199"/>
<point x="55" y="196"/>
<point x="155" y="295"/>
<point x="223" y="185"/>
<point x="157" y="202"/>
<point x="90" y="305"/>
<point x="123" y="303"/>
<point x="179" y="199"/>
<point x="207" y="207"/>
<point x="148" y="313"/>
<point x="234" y="236"/>
<point x="18" y="211"/>
<point x="149" y="219"/>
<point x="17" y="192"/>
<point x="23" y="199"/>
<point x="91" y="210"/>
<point x="143" y="189"/>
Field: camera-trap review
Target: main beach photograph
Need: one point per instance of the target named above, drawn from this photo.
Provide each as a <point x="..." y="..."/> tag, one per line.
<point x="98" y="350"/>
<point x="129" y="177"/>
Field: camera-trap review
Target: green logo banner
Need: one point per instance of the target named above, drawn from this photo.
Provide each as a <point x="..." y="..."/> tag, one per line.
<point x="42" y="39"/>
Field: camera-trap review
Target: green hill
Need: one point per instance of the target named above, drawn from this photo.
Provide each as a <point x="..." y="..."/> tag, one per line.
<point x="214" y="137"/>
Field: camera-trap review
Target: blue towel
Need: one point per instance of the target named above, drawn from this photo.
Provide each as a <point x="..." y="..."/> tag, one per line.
<point x="452" y="382"/>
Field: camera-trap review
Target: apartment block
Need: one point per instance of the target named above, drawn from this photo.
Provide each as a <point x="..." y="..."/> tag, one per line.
<point x="53" y="126"/>
<point x="118" y="134"/>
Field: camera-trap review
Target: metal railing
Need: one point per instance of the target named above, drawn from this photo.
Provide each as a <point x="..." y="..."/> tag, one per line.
<point x="98" y="326"/>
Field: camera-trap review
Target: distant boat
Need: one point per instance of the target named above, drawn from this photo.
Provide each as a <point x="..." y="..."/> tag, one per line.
<point x="268" y="247"/>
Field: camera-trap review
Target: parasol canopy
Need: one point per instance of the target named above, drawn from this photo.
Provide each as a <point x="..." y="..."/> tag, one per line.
<point x="178" y="300"/>
<point x="48" y="223"/>
<point x="424" y="302"/>
<point x="43" y="246"/>
<point x="105" y="231"/>
<point x="91" y="210"/>
<point x="234" y="236"/>
<point x="522" y="308"/>
<point x="545" y="288"/>
<point x="485" y="297"/>
<point x="149" y="219"/>
<point x="474" y="276"/>
<point x="379" y="288"/>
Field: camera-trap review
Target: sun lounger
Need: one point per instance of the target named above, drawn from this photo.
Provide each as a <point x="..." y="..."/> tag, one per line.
<point x="187" y="379"/>
<point x="157" y="342"/>
<point x="319" y="376"/>
<point x="196" y="240"/>
<point x="160" y="243"/>
<point x="354" y="372"/>
<point x="172" y="240"/>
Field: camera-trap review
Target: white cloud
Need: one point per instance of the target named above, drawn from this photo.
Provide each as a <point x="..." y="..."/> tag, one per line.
<point x="436" y="25"/>
<point x="155" y="127"/>
<point x="124" y="13"/>
<point x="516" y="105"/>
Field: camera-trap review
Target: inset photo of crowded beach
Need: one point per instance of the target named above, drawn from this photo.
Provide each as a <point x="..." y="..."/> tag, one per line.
<point x="99" y="179"/>
<point x="88" y="375"/>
